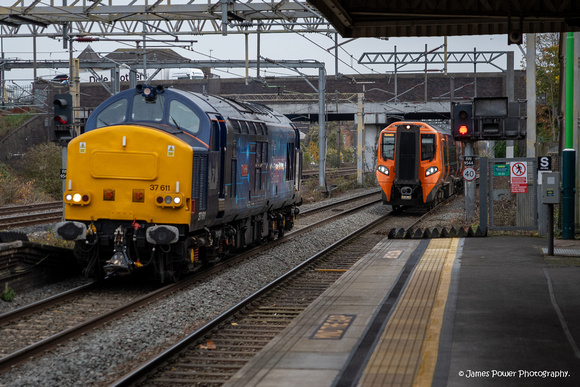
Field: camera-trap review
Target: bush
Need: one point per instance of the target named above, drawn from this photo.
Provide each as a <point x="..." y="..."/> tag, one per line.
<point x="42" y="165"/>
<point x="8" y="294"/>
<point x="16" y="189"/>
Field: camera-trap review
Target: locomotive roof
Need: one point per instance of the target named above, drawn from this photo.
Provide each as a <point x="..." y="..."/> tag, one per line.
<point x="232" y="109"/>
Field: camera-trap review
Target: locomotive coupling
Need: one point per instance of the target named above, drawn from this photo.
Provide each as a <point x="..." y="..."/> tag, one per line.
<point x="118" y="265"/>
<point x="162" y="235"/>
<point x="406" y="191"/>
<point x="71" y="231"/>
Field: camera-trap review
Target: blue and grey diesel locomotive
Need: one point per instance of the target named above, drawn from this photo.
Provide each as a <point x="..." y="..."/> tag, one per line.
<point x="167" y="180"/>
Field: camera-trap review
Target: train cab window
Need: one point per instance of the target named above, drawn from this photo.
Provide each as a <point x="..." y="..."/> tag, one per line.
<point x="113" y="114"/>
<point x="388" y="146"/>
<point x="427" y="147"/>
<point x="146" y="110"/>
<point x="183" y="117"/>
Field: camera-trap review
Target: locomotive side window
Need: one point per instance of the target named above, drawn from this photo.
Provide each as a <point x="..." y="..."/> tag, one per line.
<point x="427" y="146"/>
<point x="183" y="117"/>
<point x="215" y="136"/>
<point x="388" y="146"/>
<point x="289" y="161"/>
<point x="113" y="114"/>
<point x="144" y="110"/>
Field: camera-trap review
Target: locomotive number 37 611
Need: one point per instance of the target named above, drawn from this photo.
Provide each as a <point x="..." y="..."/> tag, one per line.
<point x="159" y="187"/>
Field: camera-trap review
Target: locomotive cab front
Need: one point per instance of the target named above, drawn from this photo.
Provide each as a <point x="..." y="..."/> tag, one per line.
<point x="409" y="167"/>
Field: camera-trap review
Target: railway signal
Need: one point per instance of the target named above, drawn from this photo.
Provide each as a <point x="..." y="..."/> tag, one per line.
<point x="62" y="108"/>
<point x="63" y="117"/>
<point x="462" y="122"/>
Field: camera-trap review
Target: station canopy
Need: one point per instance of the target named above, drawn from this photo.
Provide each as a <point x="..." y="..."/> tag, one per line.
<point x="385" y="18"/>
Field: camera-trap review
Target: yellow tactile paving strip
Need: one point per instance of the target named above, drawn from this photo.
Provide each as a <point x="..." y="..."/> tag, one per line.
<point x="407" y="351"/>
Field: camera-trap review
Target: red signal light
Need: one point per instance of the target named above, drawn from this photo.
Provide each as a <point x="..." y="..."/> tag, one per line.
<point x="463" y="130"/>
<point x="62" y="120"/>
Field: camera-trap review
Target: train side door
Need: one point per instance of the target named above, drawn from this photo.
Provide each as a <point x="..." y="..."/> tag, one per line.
<point x="445" y="150"/>
<point x="218" y="152"/>
<point x="298" y="161"/>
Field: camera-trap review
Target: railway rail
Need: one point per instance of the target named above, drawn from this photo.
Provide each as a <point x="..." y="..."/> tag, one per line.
<point x="28" y="338"/>
<point x="30" y="214"/>
<point x="214" y="353"/>
<point x="306" y="174"/>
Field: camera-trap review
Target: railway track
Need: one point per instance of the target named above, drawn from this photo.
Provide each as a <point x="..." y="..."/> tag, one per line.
<point x="338" y="172"/>
<point x="30" y="214"/>
<point x="214" y="353"/>
<point x="47" y="324"/>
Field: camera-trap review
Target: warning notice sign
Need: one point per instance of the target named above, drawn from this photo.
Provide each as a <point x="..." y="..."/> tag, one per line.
<point x="519" y="177"/>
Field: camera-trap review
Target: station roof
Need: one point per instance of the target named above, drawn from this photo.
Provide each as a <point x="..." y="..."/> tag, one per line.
<point x="400" y="18"/>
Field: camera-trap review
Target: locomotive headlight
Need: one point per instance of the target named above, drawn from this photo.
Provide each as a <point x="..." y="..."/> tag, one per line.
<point x="172" y="200"/>
<point x="77" y="198"/>
<point x="430" y="171"/>
<point x="383" y="169"/>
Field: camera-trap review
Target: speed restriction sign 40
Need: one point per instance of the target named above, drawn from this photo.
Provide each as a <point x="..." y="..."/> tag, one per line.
<point x="469" y="174"/>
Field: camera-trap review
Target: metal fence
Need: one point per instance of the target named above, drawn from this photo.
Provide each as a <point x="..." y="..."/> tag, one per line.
<point x="509" y="193"/>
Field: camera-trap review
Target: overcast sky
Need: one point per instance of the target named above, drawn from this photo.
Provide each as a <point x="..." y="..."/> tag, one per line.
<point x="274" y="46"/>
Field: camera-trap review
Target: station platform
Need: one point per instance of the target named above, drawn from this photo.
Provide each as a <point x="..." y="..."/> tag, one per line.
<point x="437" y="312"/>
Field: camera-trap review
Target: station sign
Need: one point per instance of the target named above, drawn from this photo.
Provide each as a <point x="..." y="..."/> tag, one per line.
<point x="519" y="177"/>
<point x="501" y="170"/>
<point x="544" y="163"/>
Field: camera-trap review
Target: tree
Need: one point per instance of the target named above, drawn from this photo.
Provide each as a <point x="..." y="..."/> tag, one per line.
<point x="336" y="151"/>
<point x="547" y="85"/>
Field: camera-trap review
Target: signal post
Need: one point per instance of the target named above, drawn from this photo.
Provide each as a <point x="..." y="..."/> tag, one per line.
<point x="462" y="128"/>
<point x="484" y="119"/>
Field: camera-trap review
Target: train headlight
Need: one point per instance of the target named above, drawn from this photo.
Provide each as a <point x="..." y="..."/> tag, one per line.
<point x="81" y="198"/>
<point x="383" y="169"/>
<point x="172" y="200"/>
<point x="430" y="171"/>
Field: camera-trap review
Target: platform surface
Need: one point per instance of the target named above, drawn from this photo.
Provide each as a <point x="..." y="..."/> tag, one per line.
<point x="442" y="312"/>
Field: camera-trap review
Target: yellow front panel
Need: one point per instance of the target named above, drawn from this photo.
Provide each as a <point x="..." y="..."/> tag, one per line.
<point x="124" y="165"/>
<point x="125" y="169"/>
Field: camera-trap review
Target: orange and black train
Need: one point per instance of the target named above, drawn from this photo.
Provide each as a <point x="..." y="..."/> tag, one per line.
<point x="418" y="164"/>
